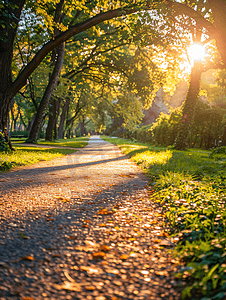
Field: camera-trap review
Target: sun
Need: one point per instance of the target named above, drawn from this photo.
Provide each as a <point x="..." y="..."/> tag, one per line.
<point x="197" y="52"/>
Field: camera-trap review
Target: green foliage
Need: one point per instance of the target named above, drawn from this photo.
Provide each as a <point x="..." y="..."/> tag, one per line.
<point x="206" y="130"/>
<point x="8" y="19"/>
<point x="19" y="133"/>
<point x="191" y="188"/>
<point x="4" y="147"/>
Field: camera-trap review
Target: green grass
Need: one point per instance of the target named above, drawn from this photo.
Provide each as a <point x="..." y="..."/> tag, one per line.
<point x="72" y="143"/>
<point x="29" y="155"/>
<point x="190" y="185"/>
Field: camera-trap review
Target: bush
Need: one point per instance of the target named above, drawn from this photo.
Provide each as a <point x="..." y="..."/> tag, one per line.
<point x="19" y="133"/>
<point x="4" y="147"/>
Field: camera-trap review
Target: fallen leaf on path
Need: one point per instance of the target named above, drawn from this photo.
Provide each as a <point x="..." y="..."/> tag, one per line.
<point x="102" y="225"/>
<point x="27" y="298"/>
<point x="89" y="269"/>
<point x="105" y="248"/>
<point x="153" y="222"/>
<point x="90" y="287"/>
<point x="157" y="241"/>
<point x="156" y="247"/>
<point x="50" y="219"/>
<point x="55" y="255"/>
<point x="85" y="226"/>
<point x="70" y="286"/>
<point x="87" y="221"/>
<point x="105" y="211"/>
<point x="98" y="255"/>
<point x="123" y="257"/>
<point x="62" y="198"/>
<point x="162" y="273"/>
<point x="72" y="237"/>
<point x="23" y="235"/>
<point x="27" y="258"/>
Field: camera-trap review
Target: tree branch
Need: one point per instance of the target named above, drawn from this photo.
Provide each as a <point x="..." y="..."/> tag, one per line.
<point x="62" y="37"/>
<point x="184" y="9"/>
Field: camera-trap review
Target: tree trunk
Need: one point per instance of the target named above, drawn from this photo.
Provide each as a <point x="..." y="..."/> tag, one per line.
<point x="82" y="127"/>
<point x="53" y="114"/>
<point x="223" y="140"/>
<point x="189" y="106"/>
<point x="62" y="118"/>
<point x="7" y="36"/>
<point x="33" y="136"/>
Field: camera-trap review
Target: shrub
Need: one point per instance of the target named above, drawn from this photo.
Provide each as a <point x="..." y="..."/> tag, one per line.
<point x="4" y="147"/>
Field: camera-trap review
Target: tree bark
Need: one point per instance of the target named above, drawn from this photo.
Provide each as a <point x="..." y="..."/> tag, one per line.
<point x="53" y="116"/>
<point x="62" y="118"/>
<point x="33" y="136"/>
<point x="181" y="142"/>
<point x="6" y="55"/>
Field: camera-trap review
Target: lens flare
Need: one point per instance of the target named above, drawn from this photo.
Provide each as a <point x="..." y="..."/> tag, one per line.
<point x="197" y="52"/>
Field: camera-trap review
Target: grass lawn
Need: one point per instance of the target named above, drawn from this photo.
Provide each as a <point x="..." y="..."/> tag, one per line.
<point x="191" y="186"/>
<point x="29" y="155"/>
<point x="79" y="142"/>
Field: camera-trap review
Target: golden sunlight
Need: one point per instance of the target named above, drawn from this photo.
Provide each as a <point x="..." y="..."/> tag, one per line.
<point x="197" y="52"/>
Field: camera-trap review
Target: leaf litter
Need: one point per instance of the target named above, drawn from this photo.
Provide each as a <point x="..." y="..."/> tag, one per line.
<point x="107" y="252"/>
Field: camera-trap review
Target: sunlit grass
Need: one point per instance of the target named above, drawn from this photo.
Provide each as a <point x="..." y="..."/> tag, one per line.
<point x="29" y="155"/>
<point x="79" y="142"/>
<point x="190" y="185"/>
<point x="150" y="158"/>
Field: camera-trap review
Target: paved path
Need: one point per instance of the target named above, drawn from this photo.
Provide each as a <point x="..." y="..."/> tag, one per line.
<point x="82" y="227"/>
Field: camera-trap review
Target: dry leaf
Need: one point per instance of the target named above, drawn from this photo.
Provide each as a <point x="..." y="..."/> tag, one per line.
<point x="104" y="211"/>
<point x="72" y="237"/>
<point x="87" y="221"/>
<point x="162" y="273"/>
<point x="89" y="269"/>
<point x="102" y="225"/>
<point x="153" y="222"/>
<point x="98" y="255"/>
<point x="28" y="258"/>
<point x="123" y="257"/>
<point x="90" y="287"/>
<point x="157" y="241"/>
<point x="56" y="255"/>
<point x="27" y="298"/>
<point x="156" y="247"/>
<point x="105" y="248"/>
<point x="85" y="225"/>
<point x="50" y="219"/>
<point x="70" y="286"/>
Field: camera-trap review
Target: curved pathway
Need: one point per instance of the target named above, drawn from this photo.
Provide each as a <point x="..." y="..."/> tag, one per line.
<point x="82" y="227"/>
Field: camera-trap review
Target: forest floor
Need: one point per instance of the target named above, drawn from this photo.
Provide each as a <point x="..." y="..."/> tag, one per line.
<point x="82" y="227"/>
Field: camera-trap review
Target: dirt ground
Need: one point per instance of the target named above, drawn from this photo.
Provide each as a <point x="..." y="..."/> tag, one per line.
<point x="82" y="227"/>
